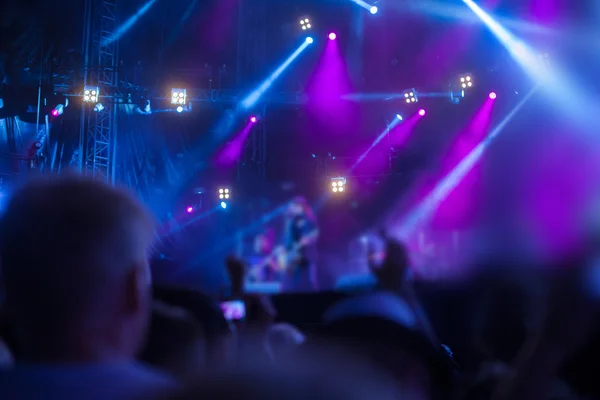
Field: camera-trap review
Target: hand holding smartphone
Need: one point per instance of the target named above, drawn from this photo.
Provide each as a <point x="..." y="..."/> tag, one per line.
<point x="234" y="310"/>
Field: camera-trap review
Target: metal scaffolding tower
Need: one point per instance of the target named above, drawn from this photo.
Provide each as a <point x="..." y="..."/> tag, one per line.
<point x="98" y="134"/>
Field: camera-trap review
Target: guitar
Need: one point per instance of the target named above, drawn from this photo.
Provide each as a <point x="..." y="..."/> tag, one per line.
<point x="281" y="259"/>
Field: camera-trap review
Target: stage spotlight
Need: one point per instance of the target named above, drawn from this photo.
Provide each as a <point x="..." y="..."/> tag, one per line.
<point x="309" y="40"/>
<point x="224" y="194"/>
<point x="91" y="94"/>
<point x="223" y="205"/>
<point x="493" y="95"/>
<point x="373" y="10"/>
<point x="466" y="81"/>
<point x="422" y="112"/>
<point x="332" y="36"/>
<point x="98" y="107"/>
<point x="178" y="96"/>
<point x="305" y="24"/>
<point x="410" y="96"/>
<point x="189" y="210"/>
<point x="253" y="120"/>
<point x="180" y="109"/>
<point x="399" y="117"/>
<point x="338" y="185"/>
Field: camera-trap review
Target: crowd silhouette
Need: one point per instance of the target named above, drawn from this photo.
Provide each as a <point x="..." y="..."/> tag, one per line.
<point x="82" y="319"/>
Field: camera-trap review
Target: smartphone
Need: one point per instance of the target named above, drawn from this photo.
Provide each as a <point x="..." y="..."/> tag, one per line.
<point x="234" y="310"/>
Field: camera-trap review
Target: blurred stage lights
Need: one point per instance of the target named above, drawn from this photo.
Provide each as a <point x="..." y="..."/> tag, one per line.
<point x="305" y="24"/>
<point x="332" y="36"/>
<point x="91" y="94"/>
<point x="99" y="107"/>
<point x="309" y="40"/>
<point x="223" y="205"/>
<point x="399" y="117"/>
<point x="338" y="185"/>
<point x="189" y="210"/>
<point x="466" y="81"/>
<point x="373" y="10"/>
<point x="410" y="96"/>
<point x="178" y="96"/>
<point x="493" y="95"/>
<point x="422" y="112"/>
<point x="179" y="109"/>
<point x="224" y="193"/>
<point x="253" y="120"/>
<point x="58" y="110"/>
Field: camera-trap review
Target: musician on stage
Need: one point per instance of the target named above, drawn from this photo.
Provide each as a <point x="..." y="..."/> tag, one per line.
<point x="301" y="234"/>
<point x="264" y="264"/>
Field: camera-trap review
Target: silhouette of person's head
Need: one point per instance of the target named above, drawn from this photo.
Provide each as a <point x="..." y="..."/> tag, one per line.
<point x="75" y="271"/>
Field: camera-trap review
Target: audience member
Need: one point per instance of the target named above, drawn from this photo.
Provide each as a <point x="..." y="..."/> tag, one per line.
<point x="6" y="357"/>
<point x="217" y="332"/>
<point x="290" y="383"/>
<point x="73" y="254"/>
<point x="175" y="344"/>
<point x="282" y="340"/>
<point x="382" y="329"/>
<point x="500" y="324"/>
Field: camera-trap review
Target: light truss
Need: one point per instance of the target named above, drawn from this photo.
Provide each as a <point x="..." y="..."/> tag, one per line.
<point x="98" y="136"/>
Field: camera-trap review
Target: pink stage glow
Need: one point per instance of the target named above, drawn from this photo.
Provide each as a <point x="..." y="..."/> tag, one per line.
<point x="332" y="36"/>
<point x="493" y="95"/>
<point x="190" y="210"/>
<point x="230" y="154"/>
<point x="55" y="113"/>
<point x="326" y="88"/>
<point x="422" y="112"/>
<point x="459" y="207"/>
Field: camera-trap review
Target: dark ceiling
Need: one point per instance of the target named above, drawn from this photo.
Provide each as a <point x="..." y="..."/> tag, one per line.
<point x="192" y="33"/>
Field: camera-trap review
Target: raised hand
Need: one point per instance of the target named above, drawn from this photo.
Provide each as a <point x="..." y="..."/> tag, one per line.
<point x="236" y="269"/>
<point x="393" y="272"/>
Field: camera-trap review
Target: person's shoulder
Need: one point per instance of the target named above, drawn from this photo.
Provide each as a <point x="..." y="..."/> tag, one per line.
<point x="89" y="381"/>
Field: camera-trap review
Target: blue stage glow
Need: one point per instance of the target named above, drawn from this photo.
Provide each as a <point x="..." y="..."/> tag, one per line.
<point x="223" y="205"/>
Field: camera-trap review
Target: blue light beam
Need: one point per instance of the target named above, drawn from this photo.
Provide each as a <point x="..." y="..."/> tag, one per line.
<point x="369" y="7"/>
<point x="253" y="98"/>
<point x="564" y="92"/>
<point x="127" y="25"/>
<point x="397" y="120"/>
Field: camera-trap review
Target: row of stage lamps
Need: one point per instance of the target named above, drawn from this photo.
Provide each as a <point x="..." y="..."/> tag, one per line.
<point x="338" y="186"/>
<point x="458" y="87"/>
<point x="223" y="197"/>
<point x="306" y="23"/>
